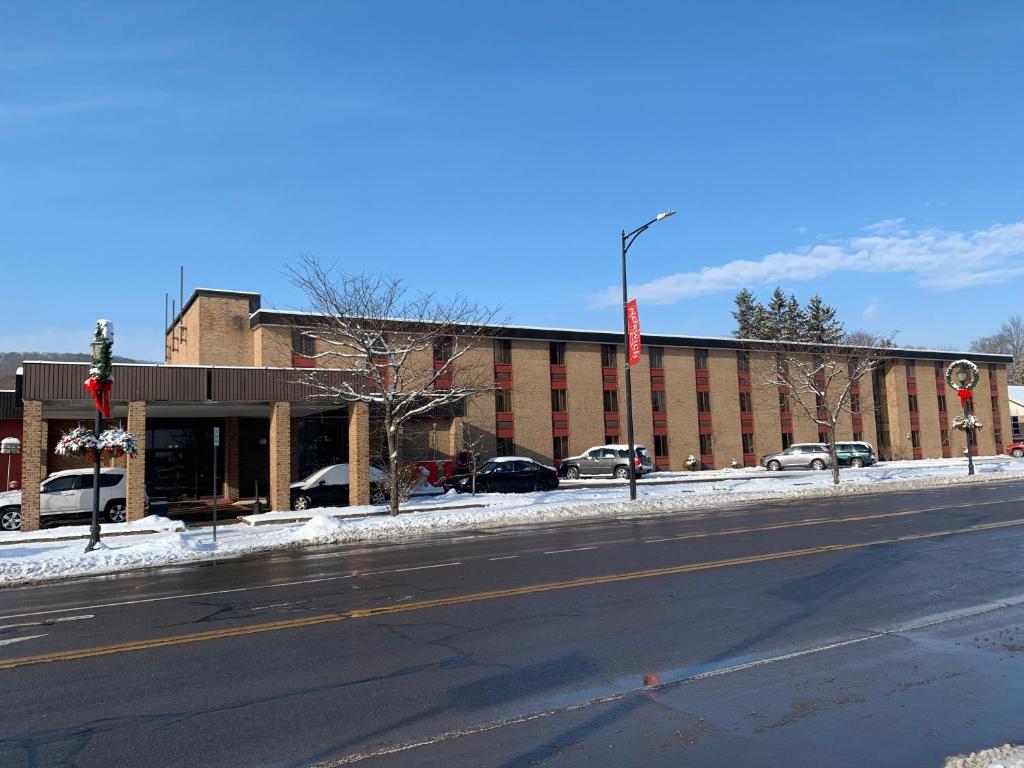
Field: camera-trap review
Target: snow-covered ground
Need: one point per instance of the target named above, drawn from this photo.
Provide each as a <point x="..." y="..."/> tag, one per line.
<point x="1007" y="756"/>
<point x="24" y="561"/>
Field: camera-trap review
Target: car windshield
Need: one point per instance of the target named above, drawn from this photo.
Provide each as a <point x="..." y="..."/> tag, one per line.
<point x="490" y="466"/>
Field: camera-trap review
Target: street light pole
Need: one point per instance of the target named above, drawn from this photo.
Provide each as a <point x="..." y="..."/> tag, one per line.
<point x="627" y="241"/>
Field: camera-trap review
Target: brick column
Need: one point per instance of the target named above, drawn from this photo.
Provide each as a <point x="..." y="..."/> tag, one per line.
<point x="231" y="454"/>
<point x="136" y="501"/>
<point x="358" y="454"/>
<point x="280" y="456"/>
<point x="455" y="438"/>
<point x="32" y="463"/>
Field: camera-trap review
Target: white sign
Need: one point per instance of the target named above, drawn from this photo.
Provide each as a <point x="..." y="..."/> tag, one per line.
<point x="216" y="437"/>
<point x="10" y="445"/>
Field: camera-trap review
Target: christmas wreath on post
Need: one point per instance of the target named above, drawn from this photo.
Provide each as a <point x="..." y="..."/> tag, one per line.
<point x="966" y="374"/>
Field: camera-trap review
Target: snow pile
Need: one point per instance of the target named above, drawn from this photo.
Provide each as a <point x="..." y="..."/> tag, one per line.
<point x="1006" y="756"/>
<point x="151" y="523"/>
<point x="171" y="544"/>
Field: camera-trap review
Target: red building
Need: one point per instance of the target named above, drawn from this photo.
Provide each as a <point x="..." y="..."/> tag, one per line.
<point x="10" y="426"/>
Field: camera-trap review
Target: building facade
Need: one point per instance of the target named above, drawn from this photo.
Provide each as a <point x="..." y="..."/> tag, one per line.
<point x="238" y="370"/>
<point x="560" y="392"/>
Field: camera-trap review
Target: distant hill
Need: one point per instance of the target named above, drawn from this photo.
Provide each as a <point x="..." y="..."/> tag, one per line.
<point x="9" y="362"/>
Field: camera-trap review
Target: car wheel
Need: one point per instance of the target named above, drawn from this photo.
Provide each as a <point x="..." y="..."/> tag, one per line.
<point x="774" y="466"/>
<point x="621" y="472"/>
<point x="10" y="518"/>
<point x="1018" y="452"/>
<point x="573" y="473"/>
<point x="301" y="503"/>
<point x="817" y="464"/>
<point x="116" y="512"/>
<point x="856" y="461"/>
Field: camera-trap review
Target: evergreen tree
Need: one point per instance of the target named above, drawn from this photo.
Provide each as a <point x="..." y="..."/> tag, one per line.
<point x="820" y="323"/>
<point x="795" y="321"/>
<point x="747" y="308"/>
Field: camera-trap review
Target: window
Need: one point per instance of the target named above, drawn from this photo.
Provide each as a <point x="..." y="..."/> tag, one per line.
<point x="746" y="404"/>
<point x="942" y="403"/>
<point x="1015" y="425"/>
<point x="915" y="438"/>
<point x="787" y="440"/>
<point x="443" y="346"/>
<point x="505" y="447"/>
<point x="502" y="352"/>
<point x="944" y="437"/>
<point x="611" y="401"/>
<point x="991" y="369"/>
<point x="912" y="399"/>
<point x="940" y="369"/>
<point x="656" y="356"/>
<point x="858" y="437"/>
<point x="819" y="402"/>
<point x="661" y="445"/>
<point x="783" y="402"/>
<point x="855" y="402"/>
<point x="611" y="438"/>
<point x="503" y="400"/>
<point x="608" y="355"/>
<point x="700" y="359"/>
<point x="556" y="352"/>
<point x="707" y="445"/>
<point x="658" y="404"/>
<point x="995" y="404"/>
<point x="998" y="435"/>
<point x="704" y="402"/>
<point x="781" y="366"/>
<point x="560" y="447"/>
<point x="748" y="443"/>
<point x="911" y="371"/>
<point x="65" y="483"/>
<point x="558" y="401"/>
<point x="743" y="362"/>
<point x="823" y="437"/>
<point x="303" y="343"/>
<point x="107" y="480"/>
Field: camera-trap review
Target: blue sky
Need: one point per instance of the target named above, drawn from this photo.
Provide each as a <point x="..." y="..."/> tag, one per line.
<point x="870" y="152"/>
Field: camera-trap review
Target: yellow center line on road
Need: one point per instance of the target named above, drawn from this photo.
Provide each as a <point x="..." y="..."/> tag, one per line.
<point x="363" y="613"/>
<point x="823" y="521"/>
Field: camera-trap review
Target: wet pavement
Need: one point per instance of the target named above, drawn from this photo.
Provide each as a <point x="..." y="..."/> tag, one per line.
<point x="873" y="631"/>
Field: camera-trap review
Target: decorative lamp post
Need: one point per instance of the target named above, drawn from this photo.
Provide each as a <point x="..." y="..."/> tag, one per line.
<point x="963" y="375"/>
<point x="10" y="446"/>
<point x="627" y="241"/>
<point x="98" y="384"/>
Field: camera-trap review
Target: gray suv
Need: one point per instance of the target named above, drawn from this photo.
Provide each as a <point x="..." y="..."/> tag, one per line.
<point x="798" y="456"/>
<point x="607" y="460"/>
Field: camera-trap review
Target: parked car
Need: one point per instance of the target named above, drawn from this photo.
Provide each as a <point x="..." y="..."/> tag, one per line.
<point x="855" y="454"/>
<point x="798" y="456"/>
<point x="68" y="493"/>
<point x="506" y="474"/>
<point x="1015" y="449"/>
<point x="328" y="487"/>
<point x="607" y="460"/>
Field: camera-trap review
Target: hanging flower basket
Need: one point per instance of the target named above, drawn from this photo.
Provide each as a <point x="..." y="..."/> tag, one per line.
<point x="964" y="423"/>
<point x="81" y="441"/>
<point x="118" y="443"/>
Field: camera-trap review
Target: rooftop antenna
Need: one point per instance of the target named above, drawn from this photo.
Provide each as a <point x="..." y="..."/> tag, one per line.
<point x="181" y="302"/>
<point x="174" y="336"/>
<point x="166" y="323"/>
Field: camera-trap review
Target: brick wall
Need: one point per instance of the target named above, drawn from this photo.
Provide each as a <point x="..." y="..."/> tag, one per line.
<point x="584" y="398"/>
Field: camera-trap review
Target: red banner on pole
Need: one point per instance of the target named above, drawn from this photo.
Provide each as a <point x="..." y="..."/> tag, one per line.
<point x="633" y="332"/>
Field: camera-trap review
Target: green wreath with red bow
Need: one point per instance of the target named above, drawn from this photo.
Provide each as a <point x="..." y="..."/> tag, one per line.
<point x="963" y="390"/>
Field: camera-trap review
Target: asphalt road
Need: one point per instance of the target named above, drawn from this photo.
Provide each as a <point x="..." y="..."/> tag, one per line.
<point x="871" y="631"/>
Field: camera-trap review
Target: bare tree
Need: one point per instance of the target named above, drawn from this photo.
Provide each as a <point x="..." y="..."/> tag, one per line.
<point x="1008" y="340"/>
<point x="411" y="356"/>
<point x="819" y="379"/>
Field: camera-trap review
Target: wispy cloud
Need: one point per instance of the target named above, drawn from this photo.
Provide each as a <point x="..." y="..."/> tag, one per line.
<point x="870" y="310"/>
<point x="937" y="258"/>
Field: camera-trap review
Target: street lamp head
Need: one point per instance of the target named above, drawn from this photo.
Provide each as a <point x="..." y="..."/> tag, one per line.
<point x="665" y="215"/>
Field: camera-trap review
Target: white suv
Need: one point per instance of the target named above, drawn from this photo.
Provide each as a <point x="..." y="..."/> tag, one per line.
<point x="70" y="493"/>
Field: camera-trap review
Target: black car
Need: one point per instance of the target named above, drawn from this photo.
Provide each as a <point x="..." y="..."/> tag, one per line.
<point x="507" y="474"/>
<point x="328" y="487"/>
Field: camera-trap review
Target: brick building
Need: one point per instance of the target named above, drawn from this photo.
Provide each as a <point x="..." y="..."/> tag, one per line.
<point x="232" y="365"/>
